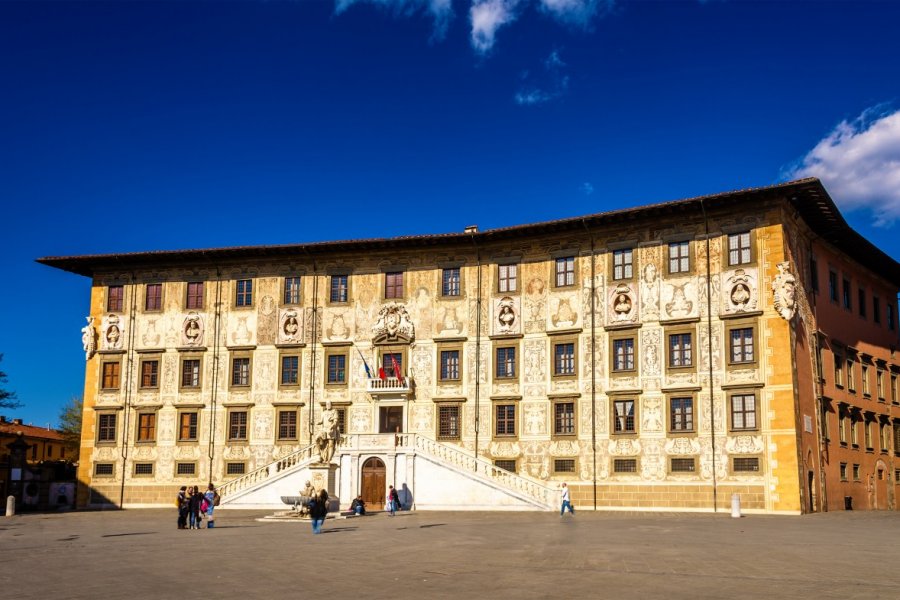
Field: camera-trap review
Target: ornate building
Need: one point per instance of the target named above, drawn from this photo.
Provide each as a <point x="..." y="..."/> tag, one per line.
<point x="663" y="357"/>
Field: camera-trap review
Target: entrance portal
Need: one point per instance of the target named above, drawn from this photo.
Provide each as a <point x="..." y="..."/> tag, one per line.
<point x="373" y="484"/>
<point x="390" y="419"/>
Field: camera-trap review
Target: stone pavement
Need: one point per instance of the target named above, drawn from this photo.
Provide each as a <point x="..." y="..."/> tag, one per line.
<point x="139" y="554"/>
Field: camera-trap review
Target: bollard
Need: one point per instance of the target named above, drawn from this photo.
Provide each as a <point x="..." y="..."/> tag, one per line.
<point x="11" y="506"/>
<point x="735" y="506"/>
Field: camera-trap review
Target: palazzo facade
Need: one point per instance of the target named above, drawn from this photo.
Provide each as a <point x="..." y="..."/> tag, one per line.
<point x="663" y="357"/>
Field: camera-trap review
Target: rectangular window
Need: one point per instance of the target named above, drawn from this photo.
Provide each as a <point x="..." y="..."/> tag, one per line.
<point x="854" y="432"/>
<point x="106" y="427"/>
<point x="861" y="300"/>
<point x="846" y="289"/>
<point x="879" y="384"/>
<point x="623" y="416"/>
<point x="235" y="468"/>
<point x="832" y="286"/>
<point x="190" y="373"/>
<point x="115" y="298"/>
<point x="287" y="424"/>
<point x="564" y="418"/>
<point x="505" y="422"/>
<point x="876" y="309"/>
<point x="104" y="469"/>
<point x="342" y="420"/>
<point x="393" y="285"/>
<point x="741" y="342"/>
<point x="392" y="363"/>
<point x="896" y="437"/>
<point x="855" y="472"/>
<point x="623" y="354"/>
<point x="564" y="465"/>
<point x="842" y="428"/>
<point x="681" y="414"/>
<point x="565" y="271"/>
<point x="149" y="373"/>
<point x="450" y="282"/>
<point x="143" y="468"/>
<point x="867" y="429"/>
<point x="851" y="376"/>
<point x="838" y="370"/>
<point x="185" y="468"/>
<point x="679" y="257"/>
<point x="290" y="370"/>
<point x="623" y="264"/>
<point x="337" y="368"/>
<point x="884" y="437"/>
<point x="237" y="425"/>
<point x="240" y="371"/>
<point x="843" y="471"/>
<point x="153" y="296"/>
<point x="187" y="427"/>
<point x="680" y="350"/>
<point x="507" y="278"/>
<point x="739" y="248"/>
<point x="747" y="464"/>
<point x="564" y="359"/>
<point x="291" y="290"/>
<point x="243" y="292"/>
<point x="194" y="295"/>
<point x="449" y="365"/>
<point x="864" y="375"/>
<point x="111" y="375"/>
<point x="146" y="427"/>
<point x="509" y="465"/>
<point x="814" y="274"/>
<point x="340" y="288"/>
<point x="448" y="422"/>
<point x="683" y="465"/>
<point x="506" y="363"/>
<point x="624" y="465"/>
<point x="743" y="412"/>
<point x="893" y="388"/>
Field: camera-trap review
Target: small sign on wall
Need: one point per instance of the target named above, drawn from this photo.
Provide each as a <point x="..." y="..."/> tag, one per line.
<point x="807" y="423"/>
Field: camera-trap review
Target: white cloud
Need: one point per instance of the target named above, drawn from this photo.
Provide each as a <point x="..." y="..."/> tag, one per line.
<point x="487" y="16"/>
<point x="587" y="188"/>
<point x="547" y="85"/>
<point x="441" y="11"/>
<point x="859" y="164"/>
<point x="578" y="12"/>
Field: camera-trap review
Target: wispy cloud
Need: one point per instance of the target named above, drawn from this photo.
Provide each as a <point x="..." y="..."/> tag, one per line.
<point x="578" y="12"/>
<point x="441" y="11"/>
<point x="859" y="163"/>
<point x="586" y="188"/>
<point x="550" y="83"/>
<point x="487" y="16"/>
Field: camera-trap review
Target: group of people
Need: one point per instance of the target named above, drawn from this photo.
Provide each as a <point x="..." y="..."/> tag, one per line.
<point x="317" y="505"/>
<point x="194" y="506"/>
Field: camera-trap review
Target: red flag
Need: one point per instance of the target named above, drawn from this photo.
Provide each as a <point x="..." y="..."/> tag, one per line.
<point x="381" y="373"/>
<point x="397" y="372"/>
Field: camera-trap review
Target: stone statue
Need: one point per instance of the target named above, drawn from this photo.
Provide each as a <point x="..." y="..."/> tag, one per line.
<point x="306" y="494"/>
<point x="328" y="433"/>
<point x="783" y="289"/>
<point x="87" y="339"/>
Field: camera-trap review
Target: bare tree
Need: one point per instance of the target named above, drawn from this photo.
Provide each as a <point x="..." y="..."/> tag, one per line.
<point x="7" y="398"/>
<point x="70" y="425"/>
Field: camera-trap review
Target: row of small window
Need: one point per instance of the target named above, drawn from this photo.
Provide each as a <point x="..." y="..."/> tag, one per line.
<point x="843" y="295"/>
<point x="848" y="432"/>
<point x="182" y="469"/>
<point x="188" y="421"/>
<point x="48" y="452"/>
<point x="680" y="355"/>
<point x="848" y="367"/>
<point x="564" y="466"/>
<point x="679" y="261"/>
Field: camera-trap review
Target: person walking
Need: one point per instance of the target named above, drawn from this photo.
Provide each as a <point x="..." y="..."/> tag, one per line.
<point x="194" y="500"/>
<point x="393" y="500"/>
<point x="566" y="502"/>
<point x="318" y="509"/>
<point x="212" y="501"/>
<point x="181" y="501"/>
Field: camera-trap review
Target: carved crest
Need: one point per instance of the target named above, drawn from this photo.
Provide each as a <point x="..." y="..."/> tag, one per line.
<point x="290" y="326"/>
<point x="88" y="339"/>
<point x="740" y="291"/>
<point x="784" y="290"/>
<point x="506" y="311"/>
<point x="112" y="332"/>
<point x="622" y="304"/>
<point x="393" y="325"/>
<point x="192" y="330"/>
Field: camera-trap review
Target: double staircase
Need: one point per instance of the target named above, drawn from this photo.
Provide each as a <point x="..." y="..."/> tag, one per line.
<point x="452" y="460"/>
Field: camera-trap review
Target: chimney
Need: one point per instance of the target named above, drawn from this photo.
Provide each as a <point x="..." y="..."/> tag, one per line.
<point x="471" y="229"/>
<point x="17" y="421"/>
<point x="2" y="418"/>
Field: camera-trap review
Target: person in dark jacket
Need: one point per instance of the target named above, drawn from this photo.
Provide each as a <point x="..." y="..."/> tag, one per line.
<point x="194" y="507"/>
<point x="318" y="508"/>
<point x="358" y="506"/>
<point x="182" y="502"/>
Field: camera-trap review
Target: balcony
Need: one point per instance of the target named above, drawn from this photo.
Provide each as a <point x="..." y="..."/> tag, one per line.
<point x="389" y="386"/>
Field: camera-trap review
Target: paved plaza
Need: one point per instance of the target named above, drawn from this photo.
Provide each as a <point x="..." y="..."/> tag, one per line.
<point x="139" y="554"/>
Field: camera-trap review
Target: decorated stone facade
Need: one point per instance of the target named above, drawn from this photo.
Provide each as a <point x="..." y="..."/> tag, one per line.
<point x="654" y="372"/>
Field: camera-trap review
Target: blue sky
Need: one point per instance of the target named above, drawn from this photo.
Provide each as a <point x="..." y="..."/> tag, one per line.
<point x="138" y="126"/>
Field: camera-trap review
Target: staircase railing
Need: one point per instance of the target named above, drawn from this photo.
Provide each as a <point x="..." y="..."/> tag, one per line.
<point x="265" y="472"/>
<point x="457" y="457"/>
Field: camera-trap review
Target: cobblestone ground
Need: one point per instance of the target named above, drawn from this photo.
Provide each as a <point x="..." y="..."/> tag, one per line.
<point x="139" y="554"/>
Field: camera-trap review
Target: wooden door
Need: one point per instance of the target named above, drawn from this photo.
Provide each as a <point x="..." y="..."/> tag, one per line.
<point x="373" y="484"/>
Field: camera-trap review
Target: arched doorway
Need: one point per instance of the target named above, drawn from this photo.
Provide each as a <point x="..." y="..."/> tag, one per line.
<point x="373" y="483"/>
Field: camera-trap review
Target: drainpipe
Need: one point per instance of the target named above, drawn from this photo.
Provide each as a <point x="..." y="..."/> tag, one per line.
<point x="820" y="405"/>
<point x="312" y="361"/>
<point x="709" y="354"/>
<point x="217" y="323"/>
<point x="593" y="367"/>
<point x="129" y="369"/>
<point x="477" y="349"/>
